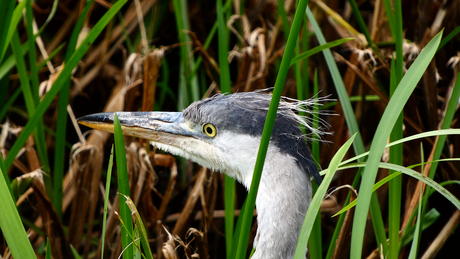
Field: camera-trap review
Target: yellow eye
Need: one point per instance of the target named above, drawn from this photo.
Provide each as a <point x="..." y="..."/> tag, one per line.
<point x="210" y="130"/>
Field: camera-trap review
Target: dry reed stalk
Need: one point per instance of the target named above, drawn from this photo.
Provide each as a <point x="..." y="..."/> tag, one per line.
<point x="189" y="208"/>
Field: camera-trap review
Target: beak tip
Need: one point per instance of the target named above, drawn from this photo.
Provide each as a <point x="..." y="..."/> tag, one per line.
<point x="81" y="120"/>
<point x="99" y="117"/>
<point x="84" y="119"/>
<point x="98" y="121"/>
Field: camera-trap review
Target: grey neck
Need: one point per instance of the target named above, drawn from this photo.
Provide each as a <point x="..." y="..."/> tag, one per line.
<point x="282" y="202"/>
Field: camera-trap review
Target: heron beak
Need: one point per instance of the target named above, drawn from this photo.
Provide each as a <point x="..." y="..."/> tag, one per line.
<point x="162" y="127"/>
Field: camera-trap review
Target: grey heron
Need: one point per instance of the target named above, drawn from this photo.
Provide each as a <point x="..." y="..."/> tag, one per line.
<point x="223" y="133"/>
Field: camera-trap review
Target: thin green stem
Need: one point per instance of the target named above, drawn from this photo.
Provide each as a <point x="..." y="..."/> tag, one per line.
<point x="394" y="199"/>
<point x="123" y="190"/>
<point x="269" y="123"/>
<point x="229" y="189"/>
<point x="314" y="242"/>
<point x="396" y="152"/>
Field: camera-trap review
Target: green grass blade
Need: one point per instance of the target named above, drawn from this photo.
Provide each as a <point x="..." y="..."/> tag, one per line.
<point x="223" y="50"/>
<point x="399" y="170"/>
<point x="315" y="149"/>
<point x="61" y="122"/>
<point x="414" y="137"/>
<point x="51" y="56"/>
<point x="378" y="224"/>
<point x="39" y="133"/>
<point x="75" y="252"/>
<point x="17" y="16"/>
<point x="417" y="233"/>
<point x="15" y="19"/>
<point x="449" y="37"/>
<point x="239" y="223"/>
<point x="123" y="190"/>
<point x="131" y="236"/>
<point x="367" y="98"/>
<point x="397" y="32"/>
<point x="338" y="228"/>
<point x="429" y="219"/>
<point x="284" y="18"/>
<point x="32" y="53"/>
<point x="268" y="128"/>
<point x="10" y="61"/>
<point x="106" y="200"/>
<point x="229" y="188"/>
<point x="30" y="100"/>
<point x="376" y="186"/>
<point x="140" y="229"/>
<point x="59" y="155"/>
<point x="48" y="249"/>
<point x="65" y="73"/>
<point x="229" y="206"/>
<point x="6" y="13"/>
<point x="396" y="157"/>
<point x="318" y="198"/>
<point x="318" y="49"/>
<point x="10" y="223"/>
<point x="22" y="71"/>
<point x="386" y="124"/>
<point x="410" y="138"/>
<point x="388" y="179"/>
<point x="188" y="85"/>
<point x="359" y="19"/>
<point x="300" y="85"/>
<point x="209" y="39"/>
<point x="398" y="37"/>
<point x="352" y="124"/>
<point x="50" y="16"/>
<point x="390" y="16"/>
<point x="448" y="117"/>
<point x="358" y="144"/>
<point x="447" y="121"/>
<point x="305" y="43"/>
<point x="394" y="210"/>
<point x="315" y="242"/>
<point x="8" y="103"/>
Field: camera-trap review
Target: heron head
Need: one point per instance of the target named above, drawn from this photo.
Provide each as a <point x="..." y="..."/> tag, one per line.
<point x="222" y="132"/>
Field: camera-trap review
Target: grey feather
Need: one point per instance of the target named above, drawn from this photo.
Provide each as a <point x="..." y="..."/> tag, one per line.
<point x="245" y="113"/>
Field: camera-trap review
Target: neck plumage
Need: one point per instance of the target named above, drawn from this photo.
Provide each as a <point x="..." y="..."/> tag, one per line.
<point x="282" y="202"/>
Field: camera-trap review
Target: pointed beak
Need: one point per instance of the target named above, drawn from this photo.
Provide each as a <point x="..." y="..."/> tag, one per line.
<point x="162" y="127"/>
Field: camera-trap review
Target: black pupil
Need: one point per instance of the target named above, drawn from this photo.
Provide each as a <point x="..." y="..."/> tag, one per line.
<point x="209" y="130"/>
